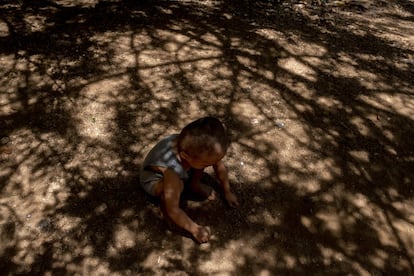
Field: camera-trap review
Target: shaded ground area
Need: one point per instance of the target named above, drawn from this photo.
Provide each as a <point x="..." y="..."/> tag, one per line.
<point x="318" y="101"/>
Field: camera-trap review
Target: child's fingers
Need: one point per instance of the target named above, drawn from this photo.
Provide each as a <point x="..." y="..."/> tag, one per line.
<point x="232" y="200"/>
<point x="203" y="234"/>
<point x="232" y="203"/>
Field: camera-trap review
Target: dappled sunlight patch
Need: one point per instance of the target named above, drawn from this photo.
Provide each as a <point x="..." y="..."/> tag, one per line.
<point x="350" y="67"/>
<point x="397" y="102"/>
<point x="4" y="29"/>
<point x="124" y="55"/>
<point x="124" y="238"/>
<point x="210" y="39"/>
<point x="329" y="102"/>
<point x="298" y="68"/>
<point x="361" y="214"/>
<point x="405" y="229"/>
<point x="36" y="23"/>
<point x="315" y="62"/>
<point x="236" y="253"/>
<point x="162" y="260"/>
<point x="8" y="62"/>
<point x="32" y="153"/>
<point x="95" y="112"/>
<point x="362" y="125"/>
<point x="397" y="26"/>
<point x="270" y="33"/>
<point x="202" y="73"/>
<point x="254" y="172"/>
<point x="249" y="167"/>
<point x="100" y="162"/>
<point x="292" y="44"/>
<point x="153" y="58"/>
<point x="173" y="37"/>
<point x="10" y="80"/>
<point x="246" y="109"/>
<point x="112" y="51"/>
<point x="360" y="156"/>
<point x="334" y="258"/>
<point x="299" y="178"/>
<point x="107" y="91"/>
<point x="326" y="170"/>
<point x="94" y="120"/>
<point x="247" y="62"/>
<point x="270" y="106"/>
<point x="304" y="170"/>
<point x="305" y="91"/>
<point x="93" y="265"/>
<point x="406" y="207"/>
<point x="158" y="121"/>
<point x="331" y="223"/>
<point x="68" y="224"/>
<point x="266" y="217"/>
<point x="74" y="3"/>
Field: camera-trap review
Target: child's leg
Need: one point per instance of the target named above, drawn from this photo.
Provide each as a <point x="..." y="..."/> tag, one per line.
<point x="196" y="189"/>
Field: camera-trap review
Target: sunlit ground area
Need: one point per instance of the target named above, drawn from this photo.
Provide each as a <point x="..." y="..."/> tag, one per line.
<point x="319" y="106"/>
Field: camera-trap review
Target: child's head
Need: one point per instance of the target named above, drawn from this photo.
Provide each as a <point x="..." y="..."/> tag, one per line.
<point x="203" y="142"/>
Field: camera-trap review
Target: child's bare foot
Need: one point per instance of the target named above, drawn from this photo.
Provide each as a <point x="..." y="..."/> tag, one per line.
<point x="202" y="191"/>
<point x="199" y="192"/>
<point x="213" y="196"/>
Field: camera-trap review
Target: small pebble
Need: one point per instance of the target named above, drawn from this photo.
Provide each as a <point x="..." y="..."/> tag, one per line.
<point x="45" y="225"/>
<point x="4" y="140"/>
<point x="280" y="124"/>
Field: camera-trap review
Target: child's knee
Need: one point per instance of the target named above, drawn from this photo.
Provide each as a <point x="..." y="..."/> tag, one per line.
<point x="158" y="188"/>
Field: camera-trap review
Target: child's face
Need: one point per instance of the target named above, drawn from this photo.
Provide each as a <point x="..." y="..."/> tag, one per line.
<point x="200" y="163"/>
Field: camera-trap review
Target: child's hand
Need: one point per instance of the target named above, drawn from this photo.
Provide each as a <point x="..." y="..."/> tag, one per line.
<point x="202" y="234"/>
<point x="231" y="199"/>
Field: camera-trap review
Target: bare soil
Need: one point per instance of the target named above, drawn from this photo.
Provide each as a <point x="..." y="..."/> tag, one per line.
<point x="318" y="100"/>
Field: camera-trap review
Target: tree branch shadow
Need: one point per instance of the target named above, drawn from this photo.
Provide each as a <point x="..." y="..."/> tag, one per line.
<point x="89" y="89"/>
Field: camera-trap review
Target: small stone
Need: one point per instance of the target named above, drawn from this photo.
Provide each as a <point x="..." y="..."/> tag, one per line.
<point x="280" y="124"/>
<point x="45" y="225"/>
<point x="4" y="140"/>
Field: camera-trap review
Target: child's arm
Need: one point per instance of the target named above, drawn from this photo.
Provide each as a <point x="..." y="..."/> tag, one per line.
<point x="173" y="187"/>
<point x="222" y="175"/>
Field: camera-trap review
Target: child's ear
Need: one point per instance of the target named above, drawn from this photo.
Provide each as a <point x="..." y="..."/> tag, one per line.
<point x="184" y="155"/>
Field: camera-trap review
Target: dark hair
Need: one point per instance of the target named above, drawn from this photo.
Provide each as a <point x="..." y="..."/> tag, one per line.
<point x="202" y="136"/>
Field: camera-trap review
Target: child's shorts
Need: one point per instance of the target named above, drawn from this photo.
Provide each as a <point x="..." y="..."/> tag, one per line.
<point x="148" y="180"/>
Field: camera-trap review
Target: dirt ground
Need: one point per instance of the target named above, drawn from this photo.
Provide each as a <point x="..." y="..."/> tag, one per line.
<point x="318" y="100"/>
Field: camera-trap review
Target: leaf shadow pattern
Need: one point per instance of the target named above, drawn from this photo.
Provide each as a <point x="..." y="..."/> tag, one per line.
<point x="320" y="118"/>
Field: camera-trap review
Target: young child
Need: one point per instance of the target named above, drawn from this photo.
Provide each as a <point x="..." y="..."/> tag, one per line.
<point x="178" y="161"/>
